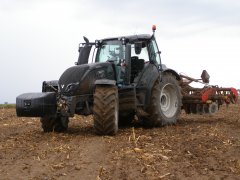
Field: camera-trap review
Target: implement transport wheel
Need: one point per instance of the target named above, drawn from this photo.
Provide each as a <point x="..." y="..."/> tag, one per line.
<point x="106" y="110"/>
<point x="54" y="123"/>
<point x="213" y="108"/>
<point x="166" y="102"/>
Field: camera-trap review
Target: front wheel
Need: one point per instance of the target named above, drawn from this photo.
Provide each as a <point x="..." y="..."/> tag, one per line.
<point x="166" y="102"/>
<point x="106" y="110"/>
<point x="54" y="123"/>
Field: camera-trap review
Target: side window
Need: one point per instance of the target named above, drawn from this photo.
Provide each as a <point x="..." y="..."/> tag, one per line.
<point x="154" y="52"/>
<point x="143" y="55"/>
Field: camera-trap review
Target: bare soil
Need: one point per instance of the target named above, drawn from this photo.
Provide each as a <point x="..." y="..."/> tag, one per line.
<point x="197" y="147"/>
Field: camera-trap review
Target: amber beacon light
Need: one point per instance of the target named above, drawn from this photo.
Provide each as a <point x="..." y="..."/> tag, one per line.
<point x="154" y="27"/>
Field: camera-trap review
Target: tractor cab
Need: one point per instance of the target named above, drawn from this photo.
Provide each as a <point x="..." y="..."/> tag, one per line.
<point x="129" y="53"/>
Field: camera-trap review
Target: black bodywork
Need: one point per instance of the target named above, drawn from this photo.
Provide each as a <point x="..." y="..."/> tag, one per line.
<point x="73" y="92"/>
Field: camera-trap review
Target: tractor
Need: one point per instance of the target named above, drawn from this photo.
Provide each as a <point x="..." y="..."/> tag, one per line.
<point x="115" y="79"/>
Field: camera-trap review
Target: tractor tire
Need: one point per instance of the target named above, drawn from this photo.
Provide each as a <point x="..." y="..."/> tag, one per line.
<point x="125" y="118"/>
<point x="54" y="123"/>
<point x="166" y="102"/>
<point x="106" y="110"/>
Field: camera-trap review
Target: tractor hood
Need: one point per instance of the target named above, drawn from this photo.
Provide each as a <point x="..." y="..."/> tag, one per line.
<point x="79" y="80"/>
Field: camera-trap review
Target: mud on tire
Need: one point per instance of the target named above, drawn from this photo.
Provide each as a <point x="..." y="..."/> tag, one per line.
<point x="166" y="102"/>
<point x="106" y="110"/>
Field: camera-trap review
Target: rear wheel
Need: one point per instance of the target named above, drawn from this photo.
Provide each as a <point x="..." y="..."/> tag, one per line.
<point x="165" y="105"/>
<point x="54" y="123"/>
<point x="106" y="110"/>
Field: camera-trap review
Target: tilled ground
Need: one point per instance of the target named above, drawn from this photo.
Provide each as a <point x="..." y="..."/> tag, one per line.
<point x="197" y="147"/>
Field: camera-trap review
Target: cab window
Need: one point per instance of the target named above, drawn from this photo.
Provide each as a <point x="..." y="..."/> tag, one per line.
<point x="143" y="53"/>
<point x="110" y="51"/>
<point x="154" y="52"/>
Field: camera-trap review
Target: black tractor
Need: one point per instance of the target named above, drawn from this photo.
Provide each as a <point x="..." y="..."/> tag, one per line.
<point x="115" y="79"/>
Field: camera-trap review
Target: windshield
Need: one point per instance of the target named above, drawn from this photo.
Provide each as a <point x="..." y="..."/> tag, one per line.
<point x="110" y="51"/>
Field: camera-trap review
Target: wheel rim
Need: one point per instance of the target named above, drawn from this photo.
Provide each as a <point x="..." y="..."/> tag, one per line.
<point x="169" y="101"/>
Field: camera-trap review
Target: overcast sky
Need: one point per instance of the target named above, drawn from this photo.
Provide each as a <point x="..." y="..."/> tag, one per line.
<point x="39" y="38"/>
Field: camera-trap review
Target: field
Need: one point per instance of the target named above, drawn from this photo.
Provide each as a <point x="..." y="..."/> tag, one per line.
<point x="6" y="106"/>
<point x="197" y="147"/>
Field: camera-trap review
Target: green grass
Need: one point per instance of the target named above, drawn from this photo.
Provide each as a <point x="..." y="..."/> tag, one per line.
<point x="7" y="106"/>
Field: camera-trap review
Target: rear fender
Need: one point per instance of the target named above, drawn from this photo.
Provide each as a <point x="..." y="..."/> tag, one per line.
<point x="172" y="72"/>
<point x="145" y="83"/>
<point x="147" y="80"/>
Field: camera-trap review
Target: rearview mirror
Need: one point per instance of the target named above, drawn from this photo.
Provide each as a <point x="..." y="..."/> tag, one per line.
<point x="205" y="76"/>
